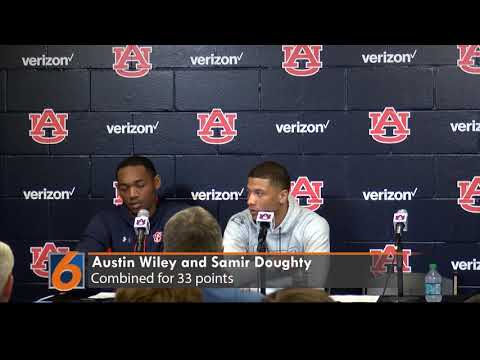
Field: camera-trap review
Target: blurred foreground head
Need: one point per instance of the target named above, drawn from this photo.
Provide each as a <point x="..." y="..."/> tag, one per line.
<point x="6" y="277"/>
<point x="159" y="295"/>
<point x="192" y="230"/>
<point x="299" y="295"/>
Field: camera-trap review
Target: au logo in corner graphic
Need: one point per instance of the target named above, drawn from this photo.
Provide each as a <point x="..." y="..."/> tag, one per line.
<point x="66" y="271"/>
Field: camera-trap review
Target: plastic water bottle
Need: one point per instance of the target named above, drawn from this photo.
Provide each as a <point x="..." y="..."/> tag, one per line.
<point x="433" y="285"/>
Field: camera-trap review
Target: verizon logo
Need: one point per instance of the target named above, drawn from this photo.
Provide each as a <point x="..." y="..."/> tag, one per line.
<point x="299" y="128"/>
<point x="386" y="58"/>
<point x="472" y="126"/>
<point x="216" y="60"/>
<point x="386" y="195"/>
<point x="216" y="195"/>
<point x="47" y="60"/>
<point x="132" y="129"/>
<point x="473" y="265"/>
<point x="48" y="194"/>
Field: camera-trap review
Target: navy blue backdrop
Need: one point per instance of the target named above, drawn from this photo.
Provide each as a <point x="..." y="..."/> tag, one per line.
<point x="364" y="131"/>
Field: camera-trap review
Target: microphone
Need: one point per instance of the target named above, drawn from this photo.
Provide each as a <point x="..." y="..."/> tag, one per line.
<point x="400" y="221"/>
<point x="265" y="219"/>
<point x="142" y="228"/>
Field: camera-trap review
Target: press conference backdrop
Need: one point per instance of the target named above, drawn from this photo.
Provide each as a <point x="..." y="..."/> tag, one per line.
<point x="363" y="130"/>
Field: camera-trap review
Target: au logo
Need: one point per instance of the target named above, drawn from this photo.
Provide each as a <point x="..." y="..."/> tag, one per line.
<point x="137" y="56"/>
<point x="308" y="53"/>
<point x="467" y="58"/>
<point x="265" y="217"/>
<point x="469" y="191"/>
<point x="312" y="190"/>
<point x="141" y="222"/>
<point x="387" y="256"/>
<point x="48" y="119"/>
<point x="40" y="257"/>
<point x="157" y="237"/>
<point x="66" y="271"/>
<point x="389" y="118"/>
<point x="220" y="120"/>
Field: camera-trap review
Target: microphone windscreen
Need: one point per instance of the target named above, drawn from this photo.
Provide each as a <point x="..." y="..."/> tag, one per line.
<point x="143" y="212"/>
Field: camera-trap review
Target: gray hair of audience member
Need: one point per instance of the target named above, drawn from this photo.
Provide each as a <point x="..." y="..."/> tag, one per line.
<point x="300" y="295"/>
<point x="6" y="267"/>
<point x="192" y="230"/>
<point x="159" y="295"/>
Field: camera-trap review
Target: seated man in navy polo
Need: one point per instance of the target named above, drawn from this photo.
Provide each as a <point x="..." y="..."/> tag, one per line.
<point x="113" y="230"/>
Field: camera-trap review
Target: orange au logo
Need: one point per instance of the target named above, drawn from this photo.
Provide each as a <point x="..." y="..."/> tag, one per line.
<point x="467" y="56"/>
<point x="157" y="237"/>
<point x="40" y="257"/>
<point x="132" y="55"/>
<point x="380" y="258"/>
<point x="312" y="190"/>
<point x="293" y="53"/>
<point x="48" y="120"/>
<point x="217" y="119"/>
<point x="389" y="118"/>
<point x="117" y="200"/>
<point x="469" y="190"/>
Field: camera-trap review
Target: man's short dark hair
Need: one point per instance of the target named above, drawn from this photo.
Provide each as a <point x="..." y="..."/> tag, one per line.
<point x="276" y="173"/>
<point x="137" y="161"/>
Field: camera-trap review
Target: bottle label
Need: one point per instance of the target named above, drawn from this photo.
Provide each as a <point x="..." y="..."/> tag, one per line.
<point x="433" y="289"/>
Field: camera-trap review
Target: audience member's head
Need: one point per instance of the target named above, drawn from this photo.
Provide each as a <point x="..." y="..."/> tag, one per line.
<point x="298" y="295"/>
<point x="192" y="230"/>
<point x="160" y="295"/>
<point x="6" y="276"/>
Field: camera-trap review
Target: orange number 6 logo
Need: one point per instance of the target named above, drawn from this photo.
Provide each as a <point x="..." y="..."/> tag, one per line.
<point x="64" y="265"/>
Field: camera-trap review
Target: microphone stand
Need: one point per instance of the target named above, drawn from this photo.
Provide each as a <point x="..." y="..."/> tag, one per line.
<point x="262" y="248"/>
<point x="139" y="246"/>
<point x="400" y="298"/>
<point x="398" y="241"/>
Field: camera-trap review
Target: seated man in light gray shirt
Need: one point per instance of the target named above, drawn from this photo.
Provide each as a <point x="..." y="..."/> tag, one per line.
<point x="295" y="229"/>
